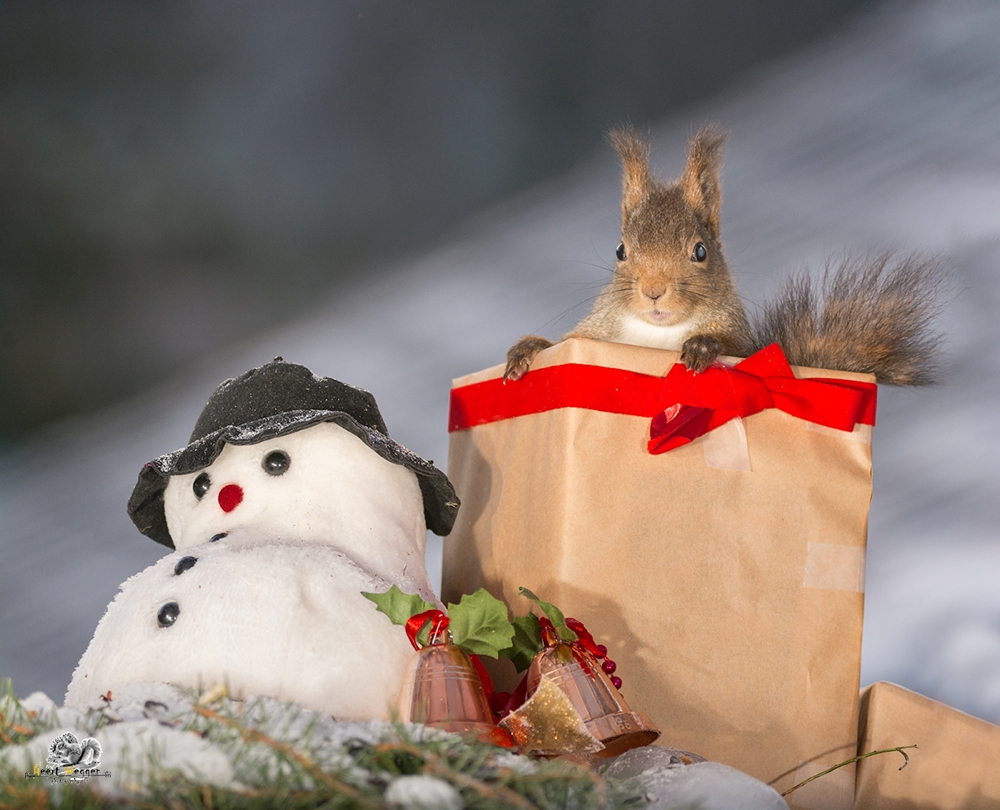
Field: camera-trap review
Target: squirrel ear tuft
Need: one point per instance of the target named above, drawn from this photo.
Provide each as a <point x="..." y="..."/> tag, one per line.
<point x="634" y="152"/>
<point x="700" y="183"/>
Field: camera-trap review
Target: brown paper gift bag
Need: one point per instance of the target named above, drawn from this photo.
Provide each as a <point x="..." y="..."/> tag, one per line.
<point x="731" y="599"/>
<point x="956" y="765"/>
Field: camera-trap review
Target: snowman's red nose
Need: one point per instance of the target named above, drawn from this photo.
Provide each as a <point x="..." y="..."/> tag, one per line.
<point x="230" y="496"/>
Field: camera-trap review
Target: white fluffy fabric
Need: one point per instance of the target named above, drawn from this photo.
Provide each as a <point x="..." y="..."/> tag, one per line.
<point x="273" y="605"/>
<point x="280" y="619"/>
<point x="336" y="492"/>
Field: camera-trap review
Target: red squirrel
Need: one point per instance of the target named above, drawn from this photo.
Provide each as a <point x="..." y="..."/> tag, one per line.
<point x="671" y="287"/>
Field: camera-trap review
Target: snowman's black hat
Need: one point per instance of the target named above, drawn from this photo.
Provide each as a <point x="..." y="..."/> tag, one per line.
<point x="273" y="400"/>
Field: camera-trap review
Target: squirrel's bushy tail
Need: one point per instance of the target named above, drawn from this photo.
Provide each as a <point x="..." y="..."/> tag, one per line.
<point x="873" y="315"/>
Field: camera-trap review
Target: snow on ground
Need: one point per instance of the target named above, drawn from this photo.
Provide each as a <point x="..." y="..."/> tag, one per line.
<point x="149" y="731"/>
<point x="886" y="136"/>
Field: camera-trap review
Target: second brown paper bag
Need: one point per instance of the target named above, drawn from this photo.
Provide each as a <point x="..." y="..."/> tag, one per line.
<point x="730" y="598"/>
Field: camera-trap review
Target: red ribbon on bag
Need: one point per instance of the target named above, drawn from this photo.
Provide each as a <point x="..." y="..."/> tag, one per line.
<point x="682" y="405"/>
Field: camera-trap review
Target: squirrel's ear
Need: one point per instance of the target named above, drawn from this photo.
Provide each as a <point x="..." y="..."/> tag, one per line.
<point x="634" y="153"/>
<point x="700" y="183"/>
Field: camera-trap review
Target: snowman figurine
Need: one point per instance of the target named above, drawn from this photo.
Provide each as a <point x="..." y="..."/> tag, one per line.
<point x="289" y="501"/>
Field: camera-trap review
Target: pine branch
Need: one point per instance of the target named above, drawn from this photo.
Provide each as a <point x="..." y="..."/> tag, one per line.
<point x="253" y="736"/>
<point x="436" y="765"/>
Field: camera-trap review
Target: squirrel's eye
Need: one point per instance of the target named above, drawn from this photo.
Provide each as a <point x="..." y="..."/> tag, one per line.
<point x="620" y="251"/>
<point x="201" y="485"/>
<point x="276" y="463"/>
<point x="700" y="253"/>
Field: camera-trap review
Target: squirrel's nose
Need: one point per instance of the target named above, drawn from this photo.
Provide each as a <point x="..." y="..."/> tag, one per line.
<point x="230" y="497"/>
<point x="654" y="292"/>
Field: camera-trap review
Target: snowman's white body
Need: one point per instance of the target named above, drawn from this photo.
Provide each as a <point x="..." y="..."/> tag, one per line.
<point x="272" y="602"/>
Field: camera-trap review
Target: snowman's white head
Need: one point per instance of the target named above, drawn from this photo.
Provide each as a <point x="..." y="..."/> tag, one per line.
<point x="320" y="485"/>
<point x="281" y="453"/>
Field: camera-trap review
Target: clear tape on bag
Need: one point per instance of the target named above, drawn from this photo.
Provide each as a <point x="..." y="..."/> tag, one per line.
<point x="835" y="567"/>
<point x="861" y="433"/>
<point x="726" y="447"/>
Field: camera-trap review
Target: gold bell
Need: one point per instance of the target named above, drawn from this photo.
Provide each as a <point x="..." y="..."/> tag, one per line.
<point x="443" y="690"/>
<point x="600" y="705"/>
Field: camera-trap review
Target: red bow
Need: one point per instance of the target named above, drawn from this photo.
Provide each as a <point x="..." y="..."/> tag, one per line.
<point x="703" y="402"/>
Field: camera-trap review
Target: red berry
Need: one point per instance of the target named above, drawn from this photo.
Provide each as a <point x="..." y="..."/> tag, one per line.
<point x="609" y="666"/>
<point x="602" y="650"/>
<point x="616" y="681"/>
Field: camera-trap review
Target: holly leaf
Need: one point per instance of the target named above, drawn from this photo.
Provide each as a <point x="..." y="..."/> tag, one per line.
<point x="479" y="624"/>
<point x="553" y="614"/>
<point x="527" y="642"/>
<point x="398" y="606"/>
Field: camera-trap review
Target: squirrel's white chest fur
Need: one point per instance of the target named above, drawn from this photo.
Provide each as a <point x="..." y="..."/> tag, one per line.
<point x="638" y="332"/>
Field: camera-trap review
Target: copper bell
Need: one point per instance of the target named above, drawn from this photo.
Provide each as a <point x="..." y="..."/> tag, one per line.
<point x="443" y="690"/>
<point x="601" y="706"/>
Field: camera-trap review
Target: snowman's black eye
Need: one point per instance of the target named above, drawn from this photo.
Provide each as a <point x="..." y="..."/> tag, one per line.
<point x="700" y="253"/>
<point x="168" y="614"/>
<point x="201" y="485"/>
<point x="620" y="251"/>
<point x="276" y="463"/>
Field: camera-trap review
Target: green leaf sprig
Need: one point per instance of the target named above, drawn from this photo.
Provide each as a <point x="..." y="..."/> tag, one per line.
<point x="526" y="643"/>
<point x="479" y="623"/>
<point x="553" y="614"/>
<point x="399" y="606"/>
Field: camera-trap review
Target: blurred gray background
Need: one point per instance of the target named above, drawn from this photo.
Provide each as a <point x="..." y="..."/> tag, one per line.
<point x="174" y="176"/>
<point x="392" y="194"/>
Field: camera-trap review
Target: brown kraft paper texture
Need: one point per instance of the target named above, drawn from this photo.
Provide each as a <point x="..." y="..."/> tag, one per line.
<point x="732" y="601"/>
<point x="956" y="765"/>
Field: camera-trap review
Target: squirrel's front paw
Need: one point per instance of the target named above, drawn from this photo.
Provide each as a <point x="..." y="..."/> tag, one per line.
<point x="520" y="355"/>
<point x="699" y="352"/>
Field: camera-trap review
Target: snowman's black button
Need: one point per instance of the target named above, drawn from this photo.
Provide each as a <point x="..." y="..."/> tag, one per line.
<point x="168" y="614"/>
<point x="218" y="536"/>
<point x="184" y="564"/>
